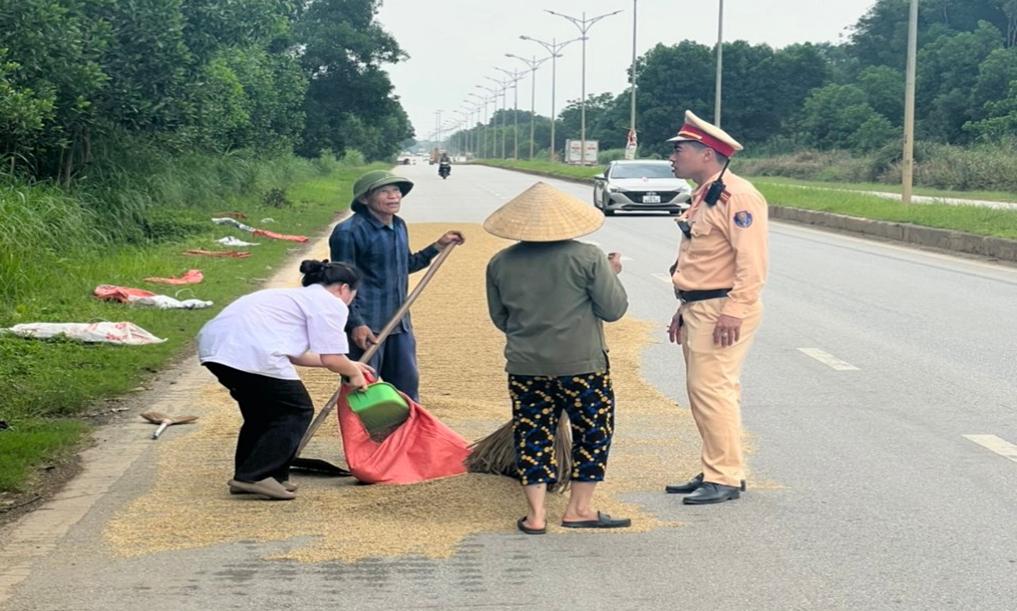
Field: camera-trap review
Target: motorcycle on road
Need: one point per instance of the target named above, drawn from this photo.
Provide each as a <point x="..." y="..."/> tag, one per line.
<point x="444" y="169"/>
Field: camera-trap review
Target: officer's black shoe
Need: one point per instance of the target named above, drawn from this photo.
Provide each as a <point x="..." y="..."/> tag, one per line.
<point x="690" y="486"/>
<point x="710" y="493"/>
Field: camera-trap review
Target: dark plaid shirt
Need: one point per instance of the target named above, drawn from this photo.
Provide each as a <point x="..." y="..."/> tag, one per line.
<point x="382" y="254"/>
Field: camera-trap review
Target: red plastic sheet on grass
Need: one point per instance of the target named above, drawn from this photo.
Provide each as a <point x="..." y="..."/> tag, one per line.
<point x="191" y="276"/>
<point x="279" y="236"/>
<point x="422" y="448"/>
<point x="122" y="294"/>
<point x="232" y="254"/>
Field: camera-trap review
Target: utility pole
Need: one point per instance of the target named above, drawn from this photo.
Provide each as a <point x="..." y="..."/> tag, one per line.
<point x="908" y="163"/>
<point x="533" y="64"/>
<point x="584" y="26"/>
<point x="553" y="47"/>
<point x="720" y="65"/>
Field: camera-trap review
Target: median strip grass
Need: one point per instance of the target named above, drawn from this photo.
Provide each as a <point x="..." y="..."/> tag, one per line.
<point x="973" y="219"/>
<point x="49" y="383"/>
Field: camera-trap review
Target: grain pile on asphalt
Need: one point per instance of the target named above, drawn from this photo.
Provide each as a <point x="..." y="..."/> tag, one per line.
<point x="463" y="383"/>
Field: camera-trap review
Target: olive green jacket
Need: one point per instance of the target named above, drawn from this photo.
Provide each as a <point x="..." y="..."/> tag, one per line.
<point x="551" y="300"/>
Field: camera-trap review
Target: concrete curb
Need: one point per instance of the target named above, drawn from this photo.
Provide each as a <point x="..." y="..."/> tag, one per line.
<point x="927" y="237"/>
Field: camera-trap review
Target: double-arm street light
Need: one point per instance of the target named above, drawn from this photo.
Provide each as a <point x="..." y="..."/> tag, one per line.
<point x="503" y="90"/>
<point x="554" y="48"/>
<point x="473" y="118"/>
<point x="514" y="77"/>
<point x="533" y="64"/>
<point x="437" y="127"/>
<point x="464" y="118"/>
<point x="479" y="99"/>
<point x="494" y="98"/>
<point x="584" y="26"/>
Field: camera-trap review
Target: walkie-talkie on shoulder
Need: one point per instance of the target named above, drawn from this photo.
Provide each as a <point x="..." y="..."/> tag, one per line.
<point x="716" y="188"/>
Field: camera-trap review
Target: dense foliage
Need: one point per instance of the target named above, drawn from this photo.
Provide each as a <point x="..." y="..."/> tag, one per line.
<point x="210" y="76"/>
<point x="848" y="96"/>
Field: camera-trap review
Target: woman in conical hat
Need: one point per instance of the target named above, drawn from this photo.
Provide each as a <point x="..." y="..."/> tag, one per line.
<point x="550" y="294"/>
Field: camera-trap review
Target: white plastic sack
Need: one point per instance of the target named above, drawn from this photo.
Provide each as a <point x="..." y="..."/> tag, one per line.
<point x="231" y="241"/>
<point x="121" y="333"/>
<point x="165" y="302"/>
<point x="231" y="221"/>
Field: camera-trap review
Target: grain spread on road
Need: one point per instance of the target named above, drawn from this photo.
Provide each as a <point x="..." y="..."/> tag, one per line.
<point x="464" y="384"/>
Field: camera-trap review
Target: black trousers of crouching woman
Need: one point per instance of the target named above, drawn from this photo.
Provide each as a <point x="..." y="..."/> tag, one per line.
<point x="276" y="415"/>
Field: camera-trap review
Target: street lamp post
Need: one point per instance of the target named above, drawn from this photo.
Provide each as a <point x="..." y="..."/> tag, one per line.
<point x="632" y="110"/>
<point x="720" y="65"/>
<point x="437" y="127"/>
<point x="533" y="64"/>
<point x="483" y="126"/>
<point x="463" y="143"/>
<point x="553" y="48"/>
<point x="908" y="163"/>
<point x="494" y="96"/>
<point x="503" y="87"/>
<point x="471" y="124"/>
<point x="584" y="26"/>
<point x="514" y="77"/>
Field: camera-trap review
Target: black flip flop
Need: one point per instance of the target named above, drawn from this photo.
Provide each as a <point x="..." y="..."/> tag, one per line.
<point x="603" y="521"/>
<point x="526" y="529"/>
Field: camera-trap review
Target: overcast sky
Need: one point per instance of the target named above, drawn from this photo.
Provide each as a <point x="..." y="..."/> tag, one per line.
<point x="453" y="44"/>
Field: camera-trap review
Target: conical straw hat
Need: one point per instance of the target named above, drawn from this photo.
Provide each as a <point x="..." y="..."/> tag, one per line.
<point x="543" y="214"/>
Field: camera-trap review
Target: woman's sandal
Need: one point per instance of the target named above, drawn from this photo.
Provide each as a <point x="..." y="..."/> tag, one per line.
<point x="603" y="521"/>
<point x="521" y="524"/>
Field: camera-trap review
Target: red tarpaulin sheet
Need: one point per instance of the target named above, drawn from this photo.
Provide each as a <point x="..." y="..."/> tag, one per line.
<point x="422" y="448"/>
<point x="233" y="254"/>
<point x="122" y="294"/>
<point x="191" y="276"/>
<point x="279" y="236"/>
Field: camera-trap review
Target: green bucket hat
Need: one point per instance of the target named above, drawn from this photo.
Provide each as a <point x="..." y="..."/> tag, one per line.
<point x="373" y="180"/>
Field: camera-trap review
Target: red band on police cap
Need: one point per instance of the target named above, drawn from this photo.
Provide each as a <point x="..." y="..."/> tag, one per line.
<point x="694" y="133"/>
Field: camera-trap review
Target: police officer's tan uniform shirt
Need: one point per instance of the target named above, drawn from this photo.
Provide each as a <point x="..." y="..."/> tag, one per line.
<point x="728" y="248"/>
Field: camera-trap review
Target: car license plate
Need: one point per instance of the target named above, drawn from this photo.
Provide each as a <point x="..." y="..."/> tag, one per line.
<point x="651" y="199"/>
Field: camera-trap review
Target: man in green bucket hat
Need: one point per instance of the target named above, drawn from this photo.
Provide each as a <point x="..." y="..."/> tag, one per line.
<point x="376" y="241"/>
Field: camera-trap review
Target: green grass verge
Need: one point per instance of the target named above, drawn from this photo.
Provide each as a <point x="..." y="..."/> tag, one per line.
<point x="546" y="168"/>
<point x="33" y="442"/>
<point x="785" y="192"/>
<point x="994" y="196"/>
<point x="978" y="220"/>
<point x="47" y="383"/>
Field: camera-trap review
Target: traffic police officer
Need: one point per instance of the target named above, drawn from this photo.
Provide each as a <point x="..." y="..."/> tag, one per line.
<point x="718" y="277"/>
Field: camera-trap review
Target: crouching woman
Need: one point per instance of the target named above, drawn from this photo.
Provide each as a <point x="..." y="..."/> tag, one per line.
<point x="252" y="346"/>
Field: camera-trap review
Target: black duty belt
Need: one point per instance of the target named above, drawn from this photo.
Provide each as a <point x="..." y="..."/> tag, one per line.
<point x="689" y="296"/>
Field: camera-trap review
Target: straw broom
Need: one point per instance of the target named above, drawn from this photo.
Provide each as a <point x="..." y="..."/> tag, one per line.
<point x="496" y="454"/>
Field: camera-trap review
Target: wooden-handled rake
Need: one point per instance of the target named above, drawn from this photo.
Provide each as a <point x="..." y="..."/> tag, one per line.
<point x="165" y="421"/>
<point x="324" y="467"/>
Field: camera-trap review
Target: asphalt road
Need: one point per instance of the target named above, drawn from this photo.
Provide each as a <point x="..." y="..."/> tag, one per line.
<point x="873" y="366"/>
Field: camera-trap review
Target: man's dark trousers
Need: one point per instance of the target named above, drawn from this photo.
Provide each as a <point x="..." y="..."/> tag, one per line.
<point x="395" y="362"/>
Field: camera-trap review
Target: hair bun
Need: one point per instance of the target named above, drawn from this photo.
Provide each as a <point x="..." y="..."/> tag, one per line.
<point x="311" y="266"/>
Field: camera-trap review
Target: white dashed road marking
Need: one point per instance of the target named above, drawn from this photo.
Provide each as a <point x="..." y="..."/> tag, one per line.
<point x="662" y="277"/>
<point x="1000" y="446"/>
<point x="828" y="359"/>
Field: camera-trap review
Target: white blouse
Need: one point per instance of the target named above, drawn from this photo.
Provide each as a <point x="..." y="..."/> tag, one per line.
<point x="258" y="332"/>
